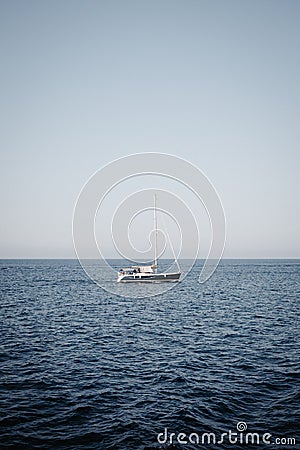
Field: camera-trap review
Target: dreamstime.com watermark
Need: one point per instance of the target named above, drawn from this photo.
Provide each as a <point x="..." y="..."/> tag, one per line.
<point x="95" y="229"/>
<point x="239" y="436"/>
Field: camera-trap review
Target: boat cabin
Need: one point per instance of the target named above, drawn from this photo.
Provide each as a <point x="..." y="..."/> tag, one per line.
<point x="138" y="269"/>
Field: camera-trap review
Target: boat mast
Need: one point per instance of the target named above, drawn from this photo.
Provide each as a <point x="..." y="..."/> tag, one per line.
<point x="155" y="234"/>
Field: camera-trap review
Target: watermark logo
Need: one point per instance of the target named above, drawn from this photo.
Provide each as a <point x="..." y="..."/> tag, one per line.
<point x="241" y="426"/>
<point x="116" y="198"/>
<point x="239" y="436"/>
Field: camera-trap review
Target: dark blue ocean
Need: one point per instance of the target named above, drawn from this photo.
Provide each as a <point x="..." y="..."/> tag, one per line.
<point x="85" y="369"/>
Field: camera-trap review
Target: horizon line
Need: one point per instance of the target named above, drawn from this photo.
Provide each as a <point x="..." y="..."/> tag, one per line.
<point x="124" y="259"/>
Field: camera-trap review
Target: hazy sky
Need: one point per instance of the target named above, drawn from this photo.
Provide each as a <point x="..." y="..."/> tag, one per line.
<point x="85" y="82"/>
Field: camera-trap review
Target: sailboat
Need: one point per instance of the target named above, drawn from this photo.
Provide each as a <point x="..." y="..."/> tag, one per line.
<point x="148" y="273"/>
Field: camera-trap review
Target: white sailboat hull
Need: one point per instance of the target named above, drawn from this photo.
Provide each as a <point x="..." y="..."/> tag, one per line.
<point x="149" y="277"/>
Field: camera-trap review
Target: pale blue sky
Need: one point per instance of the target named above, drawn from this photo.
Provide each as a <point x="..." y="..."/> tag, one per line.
<point x="85" y="82"/>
